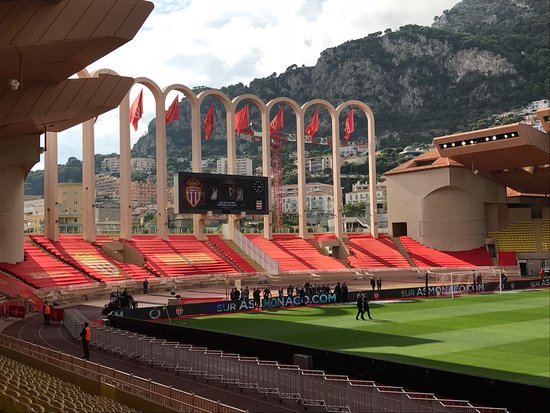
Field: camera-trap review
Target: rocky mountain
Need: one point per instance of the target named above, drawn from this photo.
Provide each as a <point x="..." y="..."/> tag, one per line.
<point x="479" y="58"/>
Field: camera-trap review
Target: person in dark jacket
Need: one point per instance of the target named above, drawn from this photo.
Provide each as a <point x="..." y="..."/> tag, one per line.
<point x="345" y="293"/>
<point x="365" y="307"/>
<point x="372" y="283"/>
<point x="360" y="311"/>
<point x="338" y="292"/>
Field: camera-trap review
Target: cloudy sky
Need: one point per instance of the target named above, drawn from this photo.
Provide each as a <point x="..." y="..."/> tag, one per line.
<point x="219" y="42"/>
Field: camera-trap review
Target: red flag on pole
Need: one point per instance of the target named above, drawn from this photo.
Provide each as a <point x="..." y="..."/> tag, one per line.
<point x="241" y="121"/>
<point x="136" y="110"/>
<point x="350" y="125"/>
<point x="313" y="125"/>
<point x="209" y="122"/>
<point x="278" y="121"/>
<point x="173" y="112"/>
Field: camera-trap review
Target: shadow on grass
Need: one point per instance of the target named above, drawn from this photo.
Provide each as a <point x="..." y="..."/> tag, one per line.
<point x="458" y="368"/>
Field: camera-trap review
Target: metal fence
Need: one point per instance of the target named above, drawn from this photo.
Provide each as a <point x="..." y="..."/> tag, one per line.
<point x="313" y="388"/>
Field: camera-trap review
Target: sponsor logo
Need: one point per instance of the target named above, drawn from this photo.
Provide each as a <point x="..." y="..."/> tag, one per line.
<point x="179" y="311"/>
<point x="154" y="313"/>
<point x="193" y="192"/>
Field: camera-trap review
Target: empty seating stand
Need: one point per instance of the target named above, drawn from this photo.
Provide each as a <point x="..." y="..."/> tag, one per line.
<point x="82" y="255"/>
<point x="426" y="257"/>
<point x="25" y="389"/>
<point x="295" y="253"/>
<point x="180" y="255"/>
<point x="368" y="252"/>
<point x="231" y="255"/>
<point x="41" y="270"/>
<point x="518" y="237"/>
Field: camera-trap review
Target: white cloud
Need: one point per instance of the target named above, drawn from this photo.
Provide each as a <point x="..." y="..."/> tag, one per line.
<point x="219" y="42"/>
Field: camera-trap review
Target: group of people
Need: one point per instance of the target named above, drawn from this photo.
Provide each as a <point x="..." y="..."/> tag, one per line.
<point x="376" y="283"/>
<point x="362" y="306"/>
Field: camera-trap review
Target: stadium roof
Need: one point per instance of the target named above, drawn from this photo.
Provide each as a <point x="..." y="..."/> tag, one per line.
<point x="42" y="43"/>
<point x="428" y="160"/>
<point x="516" y="156"/>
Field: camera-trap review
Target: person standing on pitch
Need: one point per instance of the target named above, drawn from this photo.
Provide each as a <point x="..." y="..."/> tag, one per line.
<point x="360" y="311"/>
<point x="427" y="291"/>
<point x="365" y="307"/>
<point x="86" y="336"/>
<point x="46" y="310"/>
<point x="372" y="283"/>
<point x="379" y="283"/>
<point x="344" y="293"/>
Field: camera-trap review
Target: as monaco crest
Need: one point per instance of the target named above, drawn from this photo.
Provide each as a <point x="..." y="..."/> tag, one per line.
<point x="193" y="192"/>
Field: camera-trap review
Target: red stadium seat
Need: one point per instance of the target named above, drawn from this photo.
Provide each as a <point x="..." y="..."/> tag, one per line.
<point x="426" y="257"/>
<point x="295" y="253"/>
<point x="368" y="252"/>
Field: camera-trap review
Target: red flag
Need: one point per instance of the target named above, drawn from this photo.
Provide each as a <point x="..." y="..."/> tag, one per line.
<point x="241" y="121"/>
<point x="350" y="125"/>
<point x="173" y="112"/>
<point x="313" y="125"/>
<point x="209" y="122"/>
<point x="278" y="122"/>
<point x="136" y="111"/>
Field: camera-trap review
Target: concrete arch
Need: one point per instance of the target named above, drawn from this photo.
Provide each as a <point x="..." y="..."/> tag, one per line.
<point x="160" y="144"/>
<point x="253" y="98"/>
<point x="290" y="102"/>
<point x="321" y="102"/>
<point x="336" y="164"/>
<point x="222" y="97"/>
<point x="266" y="149"/>
<point x="300" y="146"/>
<point x="372" y="157"/>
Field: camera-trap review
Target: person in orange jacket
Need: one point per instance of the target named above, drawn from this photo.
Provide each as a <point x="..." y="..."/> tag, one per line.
<point x="86" y="336"/>
<point x="46" y="310"/>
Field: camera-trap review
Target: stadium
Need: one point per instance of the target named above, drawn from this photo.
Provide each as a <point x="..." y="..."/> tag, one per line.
<point x="457" y="288"/>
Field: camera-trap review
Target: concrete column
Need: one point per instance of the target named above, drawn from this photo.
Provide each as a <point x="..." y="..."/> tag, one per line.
<point x="17" y="156"/>
<point x="162" y="209"/>
<point x="372" y="176"/>
<point x="266" y="168"/>
<point x="88" y="181"/>
<point x="336" y="181"/>
<point x="125" y="181"/>
<point x="301" y="159"/>
<point x="196" y="160"/>
<point x="231" y="164"/>
<point x="51" y="203"/>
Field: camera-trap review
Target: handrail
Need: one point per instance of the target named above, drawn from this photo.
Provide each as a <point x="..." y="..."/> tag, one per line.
<point x="256" y="253"/>
<point x="144" y="388"/>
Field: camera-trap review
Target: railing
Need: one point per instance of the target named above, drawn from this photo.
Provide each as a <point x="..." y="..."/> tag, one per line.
<point x="255" y="252"/>
<point x="312" y="388"/>
<point x="154" y="392"/>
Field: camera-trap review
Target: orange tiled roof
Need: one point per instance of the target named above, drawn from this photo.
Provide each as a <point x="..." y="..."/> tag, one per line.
<point x="422" y="162"/>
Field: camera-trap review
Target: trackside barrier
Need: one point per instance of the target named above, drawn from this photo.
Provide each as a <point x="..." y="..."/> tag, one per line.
<point x="161" y="394"/>
<point x="313" y="388"/>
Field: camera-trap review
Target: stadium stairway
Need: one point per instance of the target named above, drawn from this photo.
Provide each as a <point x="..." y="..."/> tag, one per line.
<point x="84" y="256"/>
<point x="295" y="253"/>
<point x="180" y="255"/>
<point x="12" y="286"/>
<point x="426" y="257"/>
<point x="369" y="252"/>
<point x="235" y="256"/>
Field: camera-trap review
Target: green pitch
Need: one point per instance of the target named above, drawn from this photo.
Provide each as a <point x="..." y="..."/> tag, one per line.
<point x="504" y="336"/>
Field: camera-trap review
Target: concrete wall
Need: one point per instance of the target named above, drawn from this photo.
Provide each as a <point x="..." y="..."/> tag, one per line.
<point x="444" y="208"/>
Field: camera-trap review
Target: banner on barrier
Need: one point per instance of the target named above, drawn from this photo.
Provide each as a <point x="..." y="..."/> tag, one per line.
<point x="220" y="307"/>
